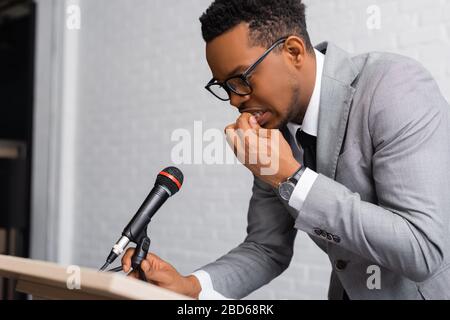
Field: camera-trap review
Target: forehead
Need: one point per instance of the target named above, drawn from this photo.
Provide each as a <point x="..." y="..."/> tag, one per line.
<point x="230" y="50"/>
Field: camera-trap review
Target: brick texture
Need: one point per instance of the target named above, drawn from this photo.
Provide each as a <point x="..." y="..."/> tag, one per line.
<point x="142" y="72"/>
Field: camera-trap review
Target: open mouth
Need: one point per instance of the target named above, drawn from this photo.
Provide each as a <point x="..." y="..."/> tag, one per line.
<point x="262" y="117"/>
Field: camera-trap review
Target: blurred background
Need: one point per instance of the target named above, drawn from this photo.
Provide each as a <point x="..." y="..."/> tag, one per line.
<point x="90" y="94"/>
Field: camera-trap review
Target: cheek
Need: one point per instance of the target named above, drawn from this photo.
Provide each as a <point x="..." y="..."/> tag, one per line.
<point x="274" y="91"/>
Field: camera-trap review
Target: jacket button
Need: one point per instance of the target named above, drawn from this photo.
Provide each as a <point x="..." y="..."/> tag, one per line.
<point x="341" y="265"/>
<point x="318" y="232"/>
<point x="336" y="239"/>
<point x="329" y="237"/>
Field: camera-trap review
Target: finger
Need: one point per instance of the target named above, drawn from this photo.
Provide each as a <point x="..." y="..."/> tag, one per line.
<point x="248" y="121"/>
<point x="230" y="134"/>
<point x="133" y="274"/>
<point x="126" y="259"/>
<point x="246" y="127"/>
<point x="243" y="121"/>
<point x="254" y="124"/>
<point x="268" y="146"/>
<point x="153" y="274"/>
<point x="155" y="261"/>
<point x="156" y="257"/>
<point x="266" y="133"/>
<point x="230" y="127"/>
<point x="234" y="141"/>
<point x="249" y="142"/>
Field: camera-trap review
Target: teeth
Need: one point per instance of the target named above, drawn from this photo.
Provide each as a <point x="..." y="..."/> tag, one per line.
<point x="258" y="114"/>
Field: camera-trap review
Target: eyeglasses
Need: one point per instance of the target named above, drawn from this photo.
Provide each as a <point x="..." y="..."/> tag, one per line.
<point x="238" y="84"/>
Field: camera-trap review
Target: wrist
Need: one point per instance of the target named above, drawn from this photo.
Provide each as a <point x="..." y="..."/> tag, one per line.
<point x="193" y="287"/>
<point x="287" y="173"/>
<point x="287" y="187"/>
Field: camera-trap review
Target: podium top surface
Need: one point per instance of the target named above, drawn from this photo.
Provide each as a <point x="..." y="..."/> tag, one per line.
<point x="72" y="282"/>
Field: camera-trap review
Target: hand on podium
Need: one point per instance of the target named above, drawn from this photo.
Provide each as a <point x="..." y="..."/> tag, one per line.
<point x="163" y="274"/>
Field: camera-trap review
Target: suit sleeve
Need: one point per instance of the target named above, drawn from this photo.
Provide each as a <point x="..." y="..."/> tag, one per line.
<point x="407" y="230"/>
<point x="266" y="251"/>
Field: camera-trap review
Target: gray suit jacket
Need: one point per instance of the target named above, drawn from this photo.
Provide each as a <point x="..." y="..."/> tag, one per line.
<point x="382" y="196"/>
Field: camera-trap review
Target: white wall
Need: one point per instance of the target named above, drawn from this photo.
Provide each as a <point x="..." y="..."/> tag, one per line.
<point x="140" y="75"/>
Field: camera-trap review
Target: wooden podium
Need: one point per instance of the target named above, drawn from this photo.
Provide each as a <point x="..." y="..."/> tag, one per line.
<point x="45" y="280"/>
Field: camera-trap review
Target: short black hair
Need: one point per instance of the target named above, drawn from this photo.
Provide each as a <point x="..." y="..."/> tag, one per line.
<point x="269" y="20"/>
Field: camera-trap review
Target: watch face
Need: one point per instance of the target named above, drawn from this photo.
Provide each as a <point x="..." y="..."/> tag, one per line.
<point x="286" y="189"/>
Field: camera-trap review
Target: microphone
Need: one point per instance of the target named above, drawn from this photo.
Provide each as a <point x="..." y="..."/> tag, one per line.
<point x="168" y="182"/>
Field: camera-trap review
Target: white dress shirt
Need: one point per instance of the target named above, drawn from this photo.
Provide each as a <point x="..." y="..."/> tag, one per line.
<point x="310" y="125"/>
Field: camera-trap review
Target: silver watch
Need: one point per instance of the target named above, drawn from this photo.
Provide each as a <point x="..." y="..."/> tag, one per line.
<point x="287" y="187"/>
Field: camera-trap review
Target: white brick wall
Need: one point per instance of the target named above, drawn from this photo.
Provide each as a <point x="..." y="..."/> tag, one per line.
<point x="142" y="71"/>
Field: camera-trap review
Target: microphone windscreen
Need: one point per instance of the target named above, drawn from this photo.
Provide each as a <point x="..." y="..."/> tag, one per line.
<point x="171" y="178"/>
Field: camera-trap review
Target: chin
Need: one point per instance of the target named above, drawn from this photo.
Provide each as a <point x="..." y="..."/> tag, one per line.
<point x="275" y="124"/>
<point x="270" y="125"/>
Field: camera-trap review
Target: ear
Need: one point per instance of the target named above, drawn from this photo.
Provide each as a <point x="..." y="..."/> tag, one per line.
<point x="295" y="50"/>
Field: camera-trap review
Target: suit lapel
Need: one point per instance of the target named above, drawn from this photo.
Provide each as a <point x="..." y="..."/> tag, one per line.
<point x="335" y="100"/>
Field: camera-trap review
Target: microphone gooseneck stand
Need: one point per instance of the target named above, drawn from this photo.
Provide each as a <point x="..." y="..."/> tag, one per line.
<point x="140" y="253"/>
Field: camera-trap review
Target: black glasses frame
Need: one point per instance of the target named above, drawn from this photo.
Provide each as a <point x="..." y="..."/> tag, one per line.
<point x="243" y="76"/>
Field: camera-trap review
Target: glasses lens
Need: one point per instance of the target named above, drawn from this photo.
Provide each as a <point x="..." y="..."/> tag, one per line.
<point x="219" y="92"/>
<point x="239" y="86"/>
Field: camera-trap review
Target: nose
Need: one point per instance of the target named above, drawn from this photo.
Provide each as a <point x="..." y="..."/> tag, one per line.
<point x="237" y="101"/>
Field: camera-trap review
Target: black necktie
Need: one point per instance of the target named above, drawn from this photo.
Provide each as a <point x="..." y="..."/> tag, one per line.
<point x="308" y="143"/>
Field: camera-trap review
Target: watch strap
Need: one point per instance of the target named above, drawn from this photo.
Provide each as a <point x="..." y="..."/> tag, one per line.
<point x="297" y="175"/>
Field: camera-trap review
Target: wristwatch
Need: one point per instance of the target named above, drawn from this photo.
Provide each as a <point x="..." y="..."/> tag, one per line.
<point x="287" y="187"/>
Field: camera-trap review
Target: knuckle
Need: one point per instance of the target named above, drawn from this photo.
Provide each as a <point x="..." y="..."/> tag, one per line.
<point x="230" y="128"/>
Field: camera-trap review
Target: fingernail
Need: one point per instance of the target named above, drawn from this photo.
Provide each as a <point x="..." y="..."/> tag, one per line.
<point x="253" y="120"/>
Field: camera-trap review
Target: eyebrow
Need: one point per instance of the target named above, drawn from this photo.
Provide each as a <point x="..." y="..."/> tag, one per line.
<point x="234" y="72"/>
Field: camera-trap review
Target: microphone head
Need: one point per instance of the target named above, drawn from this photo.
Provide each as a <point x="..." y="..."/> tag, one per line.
<point x="171" y="178"/>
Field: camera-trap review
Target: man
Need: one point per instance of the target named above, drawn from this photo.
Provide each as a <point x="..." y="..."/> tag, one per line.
<point x="363" y="160"/>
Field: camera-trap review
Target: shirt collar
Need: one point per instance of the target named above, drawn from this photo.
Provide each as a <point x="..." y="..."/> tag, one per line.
<point x="311" y="120"/>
